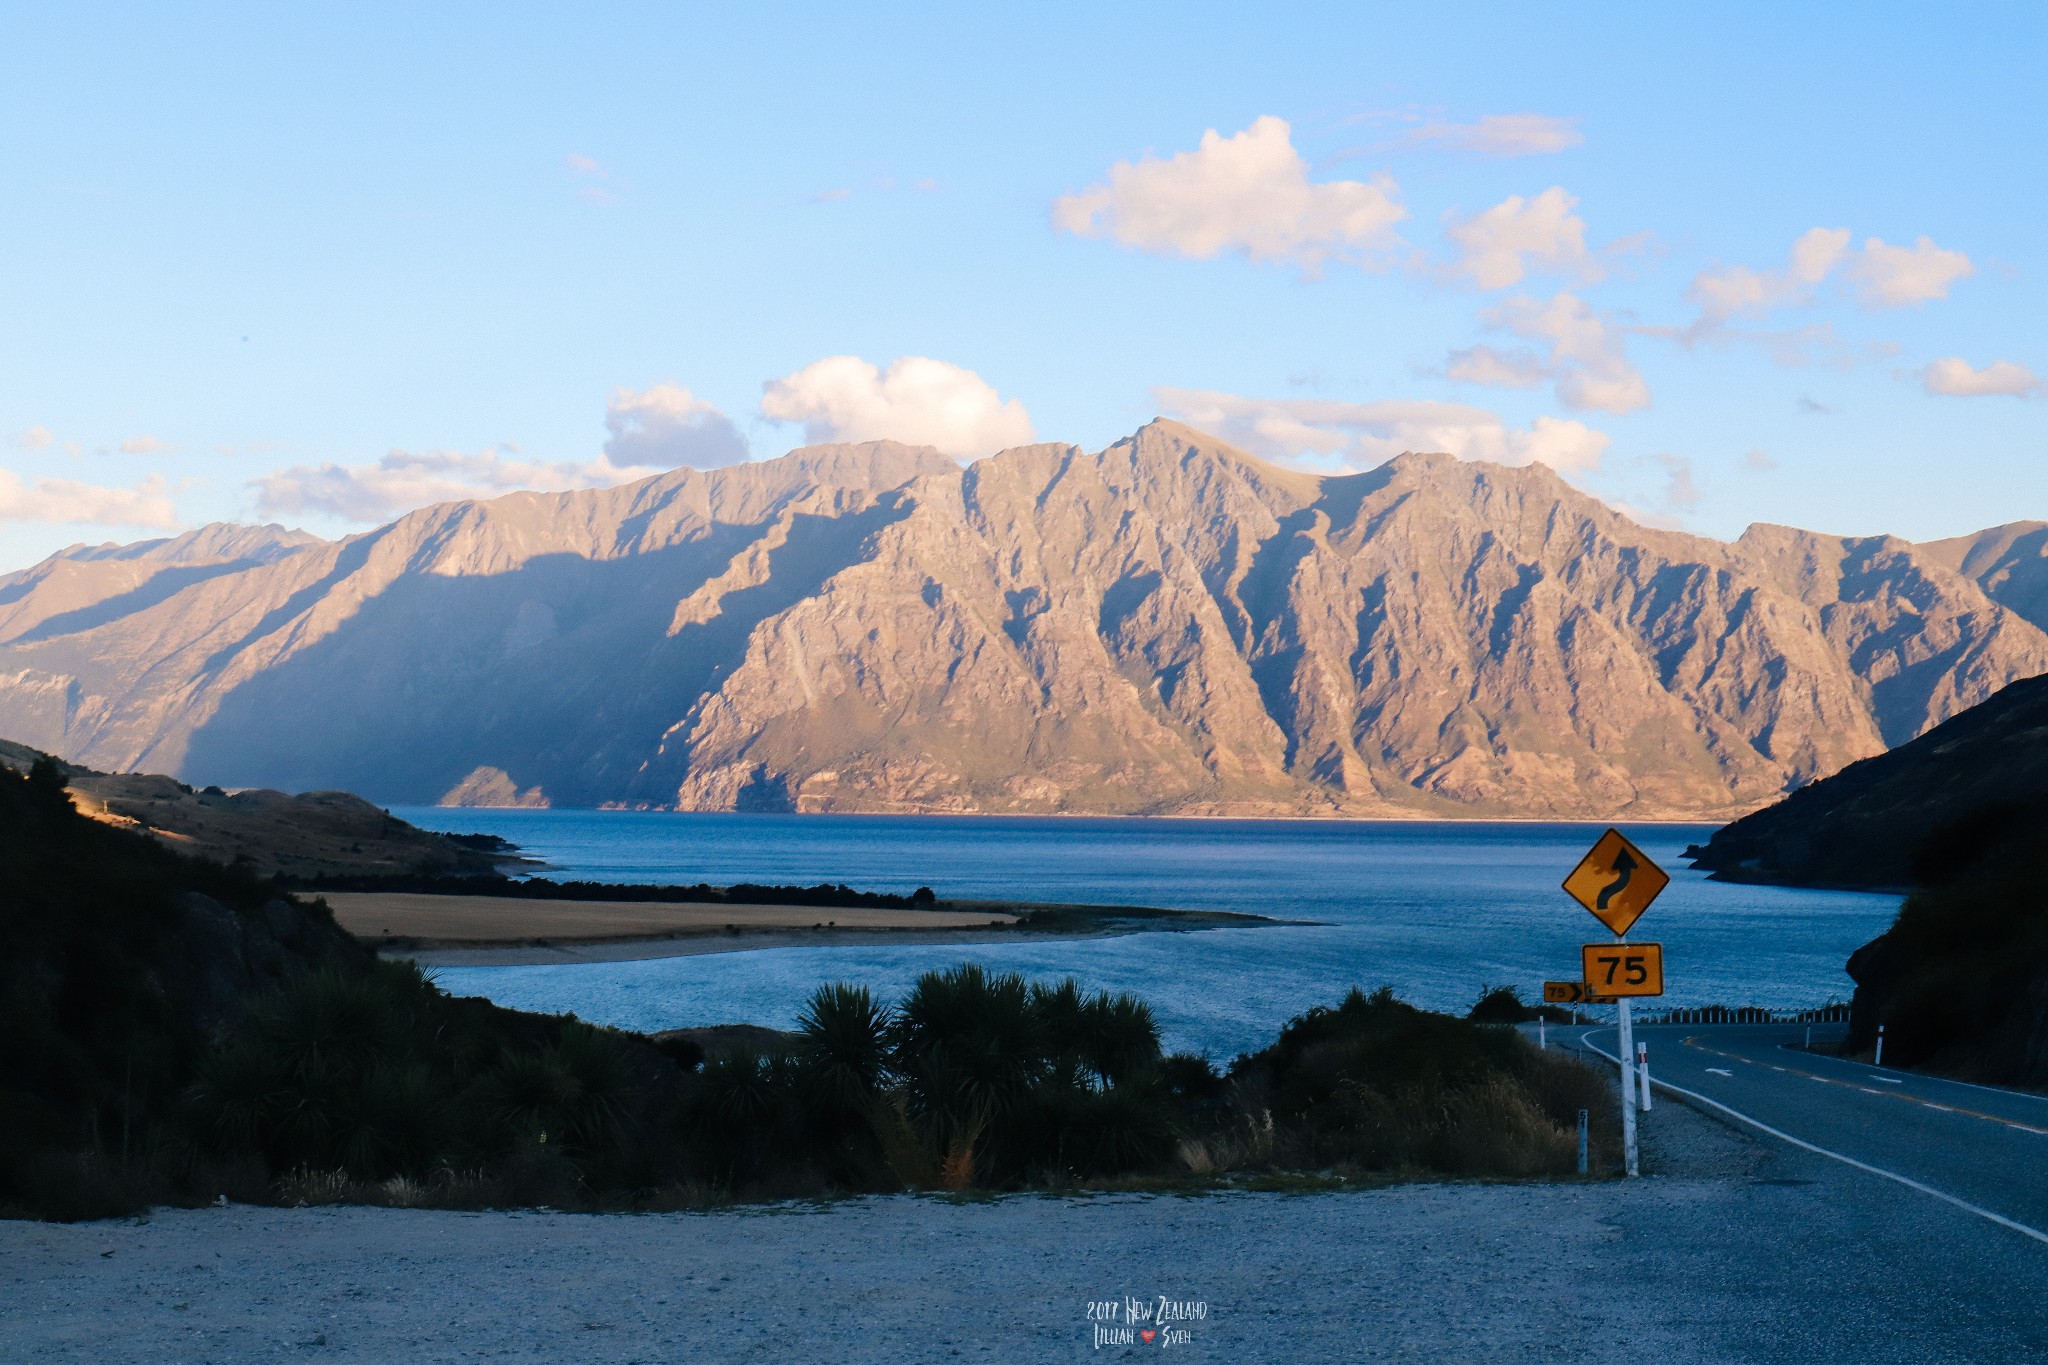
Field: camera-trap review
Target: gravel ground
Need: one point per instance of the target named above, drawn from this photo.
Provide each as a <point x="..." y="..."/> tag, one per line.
<point x="1731" y="1251"/>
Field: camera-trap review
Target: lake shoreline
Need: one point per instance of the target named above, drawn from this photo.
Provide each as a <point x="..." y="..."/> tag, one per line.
<point x="557" y="953"/>
<point x="509" y="932"/>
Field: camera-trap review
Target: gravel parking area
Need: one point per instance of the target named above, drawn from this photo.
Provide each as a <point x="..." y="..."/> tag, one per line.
<point x="1737" y="1251"/>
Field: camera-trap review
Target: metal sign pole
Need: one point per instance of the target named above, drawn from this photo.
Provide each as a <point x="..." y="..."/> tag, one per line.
<point x="1627" y="1051"/>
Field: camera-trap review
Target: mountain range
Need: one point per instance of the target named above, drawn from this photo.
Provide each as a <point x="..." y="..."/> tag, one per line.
<point x="1166" y="626"/>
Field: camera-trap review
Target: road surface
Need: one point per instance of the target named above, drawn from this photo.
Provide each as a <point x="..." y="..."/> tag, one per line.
<point x="1982" y="1149"/>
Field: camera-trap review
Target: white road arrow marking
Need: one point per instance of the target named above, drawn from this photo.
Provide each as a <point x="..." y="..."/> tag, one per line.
<point x="1719" y="1072"/>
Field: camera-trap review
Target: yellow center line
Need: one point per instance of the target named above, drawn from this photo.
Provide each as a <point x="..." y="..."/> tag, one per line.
<point x="1694" y="1042"/>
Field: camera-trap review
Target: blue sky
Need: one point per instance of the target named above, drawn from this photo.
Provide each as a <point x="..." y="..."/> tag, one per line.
<point x="317" y="264"/>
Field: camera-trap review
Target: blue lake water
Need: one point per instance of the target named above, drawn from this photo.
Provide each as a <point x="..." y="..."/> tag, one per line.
<point x="1436" y="910"/>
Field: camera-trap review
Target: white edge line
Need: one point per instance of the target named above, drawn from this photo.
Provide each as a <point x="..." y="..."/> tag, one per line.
<point x="1901" y="1077"/>
<point x="1907" y="1181"/>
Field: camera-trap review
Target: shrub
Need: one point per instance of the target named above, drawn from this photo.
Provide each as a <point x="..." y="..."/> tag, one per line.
<point x="1378" y="1085"/>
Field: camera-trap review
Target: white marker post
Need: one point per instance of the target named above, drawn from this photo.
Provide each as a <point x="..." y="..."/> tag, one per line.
<point x="1628" y="1090"/>
<point x="1878" y="1060"/>
<point x="1540" y="1043"/>
<point x="1643" y="1073"/>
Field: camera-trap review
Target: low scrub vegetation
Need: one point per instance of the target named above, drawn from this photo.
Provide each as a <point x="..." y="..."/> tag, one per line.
<point x="371" y="1086"/>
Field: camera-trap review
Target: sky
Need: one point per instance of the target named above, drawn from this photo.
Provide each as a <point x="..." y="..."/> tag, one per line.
<point x="1717" y="264"/>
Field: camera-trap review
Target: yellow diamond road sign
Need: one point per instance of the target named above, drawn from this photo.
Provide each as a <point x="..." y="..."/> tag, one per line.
<point x="1616" y="881"/>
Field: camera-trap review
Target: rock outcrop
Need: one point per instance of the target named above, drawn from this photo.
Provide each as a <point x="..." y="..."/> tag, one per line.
<point x="1165" y="626"/>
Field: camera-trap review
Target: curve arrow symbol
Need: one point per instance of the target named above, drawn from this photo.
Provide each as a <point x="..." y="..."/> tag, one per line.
<point x="1624" y="865"/>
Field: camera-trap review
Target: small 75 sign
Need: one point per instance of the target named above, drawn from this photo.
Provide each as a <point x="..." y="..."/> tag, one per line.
<point x="1624" y="968"/>
<point x="1572" y="993"/>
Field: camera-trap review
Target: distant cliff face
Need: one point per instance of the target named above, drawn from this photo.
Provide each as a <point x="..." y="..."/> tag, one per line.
<point x="1165" y="626"/>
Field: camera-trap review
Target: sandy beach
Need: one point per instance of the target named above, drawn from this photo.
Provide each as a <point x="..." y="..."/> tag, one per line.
<point x="510" y="931"/>
<point x="416" y="924"/>
<point x="689" y="943"/>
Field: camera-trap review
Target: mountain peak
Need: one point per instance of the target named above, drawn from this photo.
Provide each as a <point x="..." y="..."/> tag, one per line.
<point x="1168" y="625"/>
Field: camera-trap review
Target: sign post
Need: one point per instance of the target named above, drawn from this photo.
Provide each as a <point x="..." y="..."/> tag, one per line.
<point x="1626" y="1050"/>
<point x="1615" y="882"/>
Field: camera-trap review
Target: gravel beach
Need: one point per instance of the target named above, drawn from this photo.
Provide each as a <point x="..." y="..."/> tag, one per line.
<point x="1733" y="1250"/>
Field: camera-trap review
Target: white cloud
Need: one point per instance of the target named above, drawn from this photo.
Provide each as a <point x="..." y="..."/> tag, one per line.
<point x="1247" y="193"/>
<point x="1501" y="135"/>
<point x="1895" y="276"/>
<point x="1328" y="434"/>
<point x="1738" y="291"/>
<point x="1586" y="358"/>
<point x="1886" y="277"/>
<point x="35" y="438"/>
<point x="143" y="445"/>
<point x="1955" y="378"/>
<point x="918" y="400"/>
<point x="667" y="425"/>
<point x="61" y="500"/>
<point x="1500" y="246"/>
<point x="402" y="481"/>
<point x="1682" y="492"/>
<point x="1516" y="369"/>
<point x="592" y="179"/>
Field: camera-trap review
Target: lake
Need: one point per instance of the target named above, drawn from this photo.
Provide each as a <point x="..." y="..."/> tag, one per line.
<point x="1437" y="910"/>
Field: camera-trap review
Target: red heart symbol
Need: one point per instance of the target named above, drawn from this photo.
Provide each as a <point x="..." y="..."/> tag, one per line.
<point x="1147" y="1334"/>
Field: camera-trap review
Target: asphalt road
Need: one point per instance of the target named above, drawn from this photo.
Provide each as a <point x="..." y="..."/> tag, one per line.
<point x="1982" y="1149"/>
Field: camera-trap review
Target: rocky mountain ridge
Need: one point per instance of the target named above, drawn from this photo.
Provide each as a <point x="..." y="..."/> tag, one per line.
<point x="1167" y="626"/>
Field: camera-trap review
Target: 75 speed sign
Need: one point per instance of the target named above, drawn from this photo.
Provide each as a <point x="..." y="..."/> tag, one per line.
<point x="1624" y="968"/>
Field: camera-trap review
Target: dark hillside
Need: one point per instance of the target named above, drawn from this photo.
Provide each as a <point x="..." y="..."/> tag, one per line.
<point x="1921" y="813"/>
<point x="1959" y="817"/>
<point x="120" y="964"/>
<point x="177" y="1028"/>
<point x="1960" y="981"/>
<point x="311" y="835"/>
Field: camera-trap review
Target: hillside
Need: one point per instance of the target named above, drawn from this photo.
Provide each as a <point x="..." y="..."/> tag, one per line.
<point x="1917" y="814"/>
<point x="1960" y="817"/>
<point x="1165" y="626"/>
<point x="315" y="834"/>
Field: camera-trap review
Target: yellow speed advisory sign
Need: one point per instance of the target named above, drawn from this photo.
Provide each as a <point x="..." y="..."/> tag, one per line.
<point x="1624" y="968"/>
<point x="1616" y="881"/>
